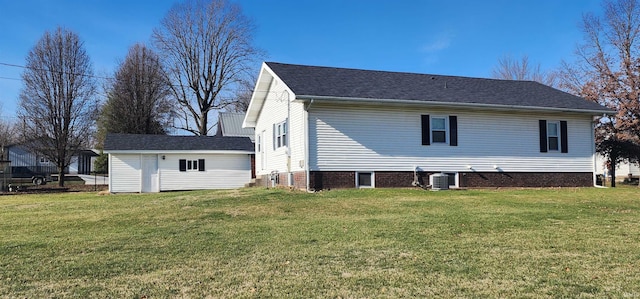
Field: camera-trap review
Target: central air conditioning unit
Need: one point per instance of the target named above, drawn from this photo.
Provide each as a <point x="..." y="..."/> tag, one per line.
<point x="439" y="181"/>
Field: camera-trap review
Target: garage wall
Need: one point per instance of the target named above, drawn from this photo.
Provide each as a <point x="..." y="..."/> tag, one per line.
<point x="222" y="171"/>
<point x="124" y="173"/>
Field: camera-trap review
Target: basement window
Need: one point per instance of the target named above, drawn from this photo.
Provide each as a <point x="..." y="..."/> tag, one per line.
<point x="364" y="180"/>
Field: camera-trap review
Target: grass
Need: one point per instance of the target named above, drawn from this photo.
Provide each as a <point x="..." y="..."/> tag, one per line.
<point x="349" y="243"/>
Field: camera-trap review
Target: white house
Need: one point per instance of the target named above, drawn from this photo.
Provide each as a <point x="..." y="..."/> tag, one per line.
<point x="153" y="163"/>
<point x="325" y="127"/>
<point x="623" y="169"/>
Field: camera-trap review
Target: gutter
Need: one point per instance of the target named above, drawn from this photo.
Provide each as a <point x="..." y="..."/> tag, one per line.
<point x="156" y="152"/>
<point x="454" y="104"/>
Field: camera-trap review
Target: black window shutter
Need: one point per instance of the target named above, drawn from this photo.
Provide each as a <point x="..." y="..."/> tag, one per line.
<point x="453" y="130"/>
<point x="183" y="164"/>
<point x="543" y="135"/>
<point x="564" y="139"/>
<point x="426" y="130"/>
<point x="200" y="164"/>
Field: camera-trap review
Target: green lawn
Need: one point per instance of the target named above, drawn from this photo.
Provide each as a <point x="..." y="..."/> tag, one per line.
<point x="351" y="243"/>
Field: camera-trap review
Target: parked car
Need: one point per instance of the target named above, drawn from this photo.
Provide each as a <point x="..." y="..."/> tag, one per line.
<point x="24" y="175"/>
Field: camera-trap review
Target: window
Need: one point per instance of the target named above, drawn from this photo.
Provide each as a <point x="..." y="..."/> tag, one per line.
<point x="280" y="134"/>
<point x="258" y="144"/>
<point x="191" y="165"/>
<point x="439" y="129"/>
<point x="553" y="136"/>
<point x="364" y="180"/>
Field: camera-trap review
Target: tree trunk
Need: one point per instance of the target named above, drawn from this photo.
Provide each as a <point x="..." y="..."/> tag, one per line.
<point x="612" y="172"/>
<point x="204" y="120"/>
<point x="60" y="177"/>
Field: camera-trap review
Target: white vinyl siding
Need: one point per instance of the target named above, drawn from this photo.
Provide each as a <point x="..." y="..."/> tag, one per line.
<point x="222" y="171"/>
<point x="124" y="173"/>
<point x="280" y="114"/>
<point x="347" y="138"/>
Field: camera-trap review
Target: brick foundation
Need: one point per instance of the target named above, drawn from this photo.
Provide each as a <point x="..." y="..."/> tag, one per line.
<point x="299" y="180"/>
<point x="325" y="180"/>
<point x="528" y="179"/>
<point x="319" y="180"/>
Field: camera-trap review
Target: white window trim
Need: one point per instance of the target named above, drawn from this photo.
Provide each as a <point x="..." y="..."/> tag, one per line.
<point x="557" y="123"/>
<point x="446" y="129"/>
<point x="281" y="134"/>
<point x="259" y="143"/>
<point x="192" y="162"/>
<point x="373" y="180"/>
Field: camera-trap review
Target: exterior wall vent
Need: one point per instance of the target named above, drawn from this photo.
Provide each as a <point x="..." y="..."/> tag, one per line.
<point x="440" y="181"/>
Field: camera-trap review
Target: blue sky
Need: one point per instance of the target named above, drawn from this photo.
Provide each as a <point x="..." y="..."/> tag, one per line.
<point x="452" y="37"/>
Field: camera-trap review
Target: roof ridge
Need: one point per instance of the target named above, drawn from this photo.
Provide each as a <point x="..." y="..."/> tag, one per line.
<point x="395" y="72"/>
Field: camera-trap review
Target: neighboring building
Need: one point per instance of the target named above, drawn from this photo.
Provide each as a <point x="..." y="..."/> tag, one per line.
<point x="324" y="127"/>
<point x="20" y="155"/>
<point x="83" y="162"/>
<point x="623" y="169"/>
<point x="230" y="125"/>
<point x="153" y="163"/>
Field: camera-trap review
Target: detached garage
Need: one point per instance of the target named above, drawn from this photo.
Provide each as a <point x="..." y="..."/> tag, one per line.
<point x="154" y="163"/>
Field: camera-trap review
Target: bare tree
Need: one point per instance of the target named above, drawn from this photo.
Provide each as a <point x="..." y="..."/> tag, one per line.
<point x="511" y="69"/>
<point x="207" y="46"/>
<point x="607" y="71"/>
<point x="242" y="96"/>
<point x="138" y="96"/>
<point x="56" y="103"/>
<point x="8" y="132"/>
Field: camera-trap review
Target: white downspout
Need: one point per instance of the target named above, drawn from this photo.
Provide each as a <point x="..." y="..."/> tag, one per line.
<point x="306" y="145"/>
<point x="594" y="156"/>
<point x="289" y="174"/>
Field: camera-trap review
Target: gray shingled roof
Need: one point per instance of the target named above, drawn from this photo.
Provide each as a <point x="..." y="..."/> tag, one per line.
<point x="140" y="142"/>
<point x="230" y="124"/>
<point x="313" y="81"/>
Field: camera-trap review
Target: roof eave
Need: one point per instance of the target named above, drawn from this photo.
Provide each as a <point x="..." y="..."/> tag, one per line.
<point x="449" y="104"/>
<point x="178" y="151"/>
<point x="259" y="96"/>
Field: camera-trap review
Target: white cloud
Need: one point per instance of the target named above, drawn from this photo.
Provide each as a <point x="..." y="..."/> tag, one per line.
<point x="440" y="42"/>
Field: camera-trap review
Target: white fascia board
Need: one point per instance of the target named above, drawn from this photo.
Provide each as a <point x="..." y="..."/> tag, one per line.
<point x="258" y="97"/>
<point x="167" y="152"/>
<point x="451" y="104"/>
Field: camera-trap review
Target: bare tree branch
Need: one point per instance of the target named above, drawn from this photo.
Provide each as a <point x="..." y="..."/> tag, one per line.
<point x="511" y="69"/>
<point x="607" y="71"/>
<point x="56" y="103"/>
<point x="207" y="46"/>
